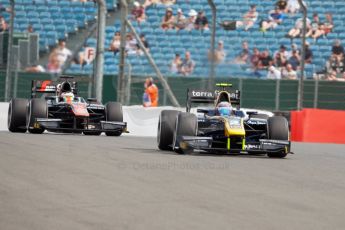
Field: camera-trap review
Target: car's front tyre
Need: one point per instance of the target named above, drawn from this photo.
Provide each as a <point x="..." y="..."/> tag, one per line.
<point x="186" y="125"/>
<point x="278" y="129"/>
<point x="37" y="108"/>
<point x="166" y="127"/>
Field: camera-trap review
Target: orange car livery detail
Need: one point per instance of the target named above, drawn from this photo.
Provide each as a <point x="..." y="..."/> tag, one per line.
<point x="79" y="110"/>
<point x="44" y="85"/>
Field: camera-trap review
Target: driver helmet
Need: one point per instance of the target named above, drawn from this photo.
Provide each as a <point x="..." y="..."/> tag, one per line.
<point x="224" y="108"/>
<point x="66" y="87"/>
<point x="67" y="97"/>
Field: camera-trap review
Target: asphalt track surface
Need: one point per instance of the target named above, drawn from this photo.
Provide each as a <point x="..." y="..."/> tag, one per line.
<point x="54" y="181"/>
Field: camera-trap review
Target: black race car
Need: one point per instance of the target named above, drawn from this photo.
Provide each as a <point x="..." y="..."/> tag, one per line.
<point x="210" y="130"/>
<point x="64" y="111"/>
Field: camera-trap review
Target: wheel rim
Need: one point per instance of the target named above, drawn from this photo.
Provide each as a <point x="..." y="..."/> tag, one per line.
<point x="28" y="116"/>
<point x="9" y="115"/>
<point x="159" y="131"/>
<point x="175" y="134"/>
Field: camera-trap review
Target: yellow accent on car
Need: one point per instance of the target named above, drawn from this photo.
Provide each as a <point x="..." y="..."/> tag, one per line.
<point x="228" y="144"/>
<point x="37" y="125"/>
<point x="224" y="84"/>
<point x="233" y="131"/>
<point x="243" y="143"/>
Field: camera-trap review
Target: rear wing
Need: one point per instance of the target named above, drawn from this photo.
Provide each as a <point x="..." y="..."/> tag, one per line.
<point x="45" y="86"/>
<point x="50" y="87"/>
<point x="197" y="96"/>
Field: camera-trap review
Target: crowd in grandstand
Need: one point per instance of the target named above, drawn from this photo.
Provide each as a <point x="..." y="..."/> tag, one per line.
<point x="286" y="59"/>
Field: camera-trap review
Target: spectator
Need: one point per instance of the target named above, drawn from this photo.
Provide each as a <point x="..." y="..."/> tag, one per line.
<point x="219" y="53"/>
<point x="36" y="68"/>
<point x="337" y="49"/>
<point x="62" y="52"/>
<point x="85" y="56"/>
<point x="168" y="19"/>
<point x="168" y="2"/>
<point x="175" y="65"/>
<point x="282" y="5"/>
<point x="335" y="64"/>
<point x="255" y="58"/>
<point x="138" y="13"/>
<point x="148" y="3"/>
<point x="188" y="65"/>
<point x="30" y="29"/>
<point x="331" y="76"/>
<point x="156" y="2"/>
<point x="293" y="6"/>
<point x="3" y="24"/>
<point x="308" y="57"/>
<point x="191" y="20"/>
<point x="201" y="22"/>
<point x="54" y="64"/>
<point x="289" y="73"/>
<point x="295" y="60"/>
<point x="328" y="24"/>
<point x="244" y="55"/>
<point x="180" y="20"/>
<point x="115" y="43"/>
<point x="275" y="18"/>
<point x="316" y="28"/>
<point x="4" y="9"/>
<point x="145" y="43"/>
<point x="265" y="60"/>
<point x="131" y="45"/>
<point x="296" y="31"/>
<point x="280" y="57"/>
<point x="293" y="47"/>
<point x="249" y="18"/>
<point x="150" y="97"/>
<point x="273" y="73"/>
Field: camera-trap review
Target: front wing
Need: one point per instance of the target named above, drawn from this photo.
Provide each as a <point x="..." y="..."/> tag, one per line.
<point x="263" y="146"/>
<point x="102" y="126"/>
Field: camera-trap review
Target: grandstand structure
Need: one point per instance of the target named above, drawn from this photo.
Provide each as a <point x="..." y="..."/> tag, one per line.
<point x="164" y="44"/>
<point x="52" y="19"/>
<point x="57" y="19"/>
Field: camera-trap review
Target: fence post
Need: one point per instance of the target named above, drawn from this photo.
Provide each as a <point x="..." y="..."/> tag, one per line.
<point x="316" y="92"/>
<point x="277" y="100"/>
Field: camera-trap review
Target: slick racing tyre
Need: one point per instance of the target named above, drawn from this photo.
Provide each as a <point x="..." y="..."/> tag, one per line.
<point x="16" y="119"/>
<point x="166" y="127"/>
<point x="113" y="112"/>
<point x="278" y="129"/>
<point x="37" y="109"/>
<point x="186" y="125"/>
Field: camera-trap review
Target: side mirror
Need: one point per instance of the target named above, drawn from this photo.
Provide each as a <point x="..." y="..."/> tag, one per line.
<point x="205" y="111"/>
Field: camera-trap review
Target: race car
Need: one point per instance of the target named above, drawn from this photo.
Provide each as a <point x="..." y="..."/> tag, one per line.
<point x="62" y="110"/>
<point x="222" y="127"/>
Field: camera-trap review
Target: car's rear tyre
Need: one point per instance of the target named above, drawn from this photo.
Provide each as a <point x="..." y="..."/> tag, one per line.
<point x="37" y="109"/>
<point x="166" y="127"/>
<point x="113" y="112"/>
<point x="16" y="119"/>
<point x="278" y="129"/>
<point x="186" y="125"/>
